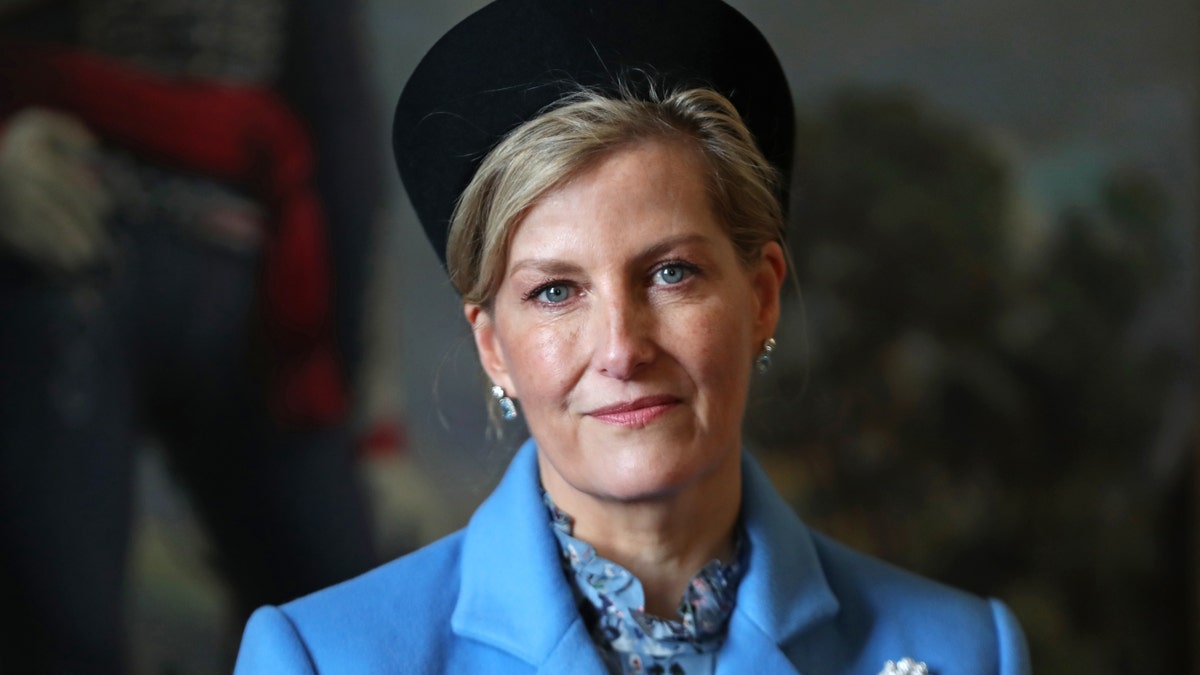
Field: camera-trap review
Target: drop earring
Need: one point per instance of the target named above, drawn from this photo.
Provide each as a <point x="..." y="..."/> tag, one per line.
<point x="508" y="409"/>
<point x="762" y="363"/>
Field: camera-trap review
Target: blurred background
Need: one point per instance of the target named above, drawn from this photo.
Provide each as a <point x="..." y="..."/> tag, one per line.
<point x="986" y="372"/>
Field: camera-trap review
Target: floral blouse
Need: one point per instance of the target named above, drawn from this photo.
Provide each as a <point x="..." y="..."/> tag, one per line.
<point x="612" y="603"/>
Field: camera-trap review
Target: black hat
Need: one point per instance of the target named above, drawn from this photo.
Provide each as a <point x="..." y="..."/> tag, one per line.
<point x="506" y="63"/>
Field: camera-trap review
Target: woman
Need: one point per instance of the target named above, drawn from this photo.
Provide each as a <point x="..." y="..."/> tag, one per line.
<point x="619" y="255"/>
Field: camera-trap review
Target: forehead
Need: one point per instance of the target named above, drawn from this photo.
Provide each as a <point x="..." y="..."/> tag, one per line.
<point x="642" y="191"/>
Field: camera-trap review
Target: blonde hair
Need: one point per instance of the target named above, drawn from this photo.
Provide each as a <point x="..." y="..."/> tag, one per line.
<point x="583" y="128"/>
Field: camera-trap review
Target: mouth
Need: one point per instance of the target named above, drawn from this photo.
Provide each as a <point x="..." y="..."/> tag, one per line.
<point x="636" y="413"/>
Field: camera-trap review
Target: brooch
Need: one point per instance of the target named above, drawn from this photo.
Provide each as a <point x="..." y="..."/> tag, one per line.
<point x="905" y="667"/>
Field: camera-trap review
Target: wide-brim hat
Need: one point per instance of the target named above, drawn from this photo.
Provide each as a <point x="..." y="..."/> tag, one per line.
<point x="509" y="61"/>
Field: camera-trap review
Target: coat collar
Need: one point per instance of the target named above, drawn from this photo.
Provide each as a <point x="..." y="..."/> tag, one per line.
<point x="784" y="591"/>
<point x="515" y="597"/>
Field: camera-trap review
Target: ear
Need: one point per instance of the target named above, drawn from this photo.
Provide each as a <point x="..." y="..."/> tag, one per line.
<point x="768" y="278"/>
<point x="491" y="353"/>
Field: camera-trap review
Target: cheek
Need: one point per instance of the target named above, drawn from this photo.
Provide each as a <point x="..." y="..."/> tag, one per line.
<point x="727" y="324"/>
<point x="542" y="362"/>
<point x="721" y="358"/>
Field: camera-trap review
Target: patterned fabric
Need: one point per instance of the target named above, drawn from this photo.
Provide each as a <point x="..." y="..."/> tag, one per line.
<point x="612" y="603"/>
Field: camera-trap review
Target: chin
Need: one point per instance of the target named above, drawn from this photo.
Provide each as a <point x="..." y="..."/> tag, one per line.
<point x="640" y="489"/>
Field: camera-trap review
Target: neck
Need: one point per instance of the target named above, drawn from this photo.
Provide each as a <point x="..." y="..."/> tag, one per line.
<point x="664" y="540"/>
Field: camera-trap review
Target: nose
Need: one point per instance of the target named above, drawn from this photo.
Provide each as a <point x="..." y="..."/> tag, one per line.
<point x="624" y="336"/>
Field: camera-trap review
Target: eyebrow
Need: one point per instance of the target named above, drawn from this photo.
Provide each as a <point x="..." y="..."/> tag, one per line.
<point x="556" y="267"/>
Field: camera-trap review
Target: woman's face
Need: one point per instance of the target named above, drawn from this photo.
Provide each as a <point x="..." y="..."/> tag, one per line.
<point x="626" y="326"/>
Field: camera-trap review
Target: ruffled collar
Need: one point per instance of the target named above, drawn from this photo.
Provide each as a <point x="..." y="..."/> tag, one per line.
<point x="612" y="602"/>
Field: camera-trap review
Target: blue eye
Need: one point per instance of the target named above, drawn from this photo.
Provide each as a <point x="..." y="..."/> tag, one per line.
<point x="671" y="274"/>
<point x="553" y="294"/>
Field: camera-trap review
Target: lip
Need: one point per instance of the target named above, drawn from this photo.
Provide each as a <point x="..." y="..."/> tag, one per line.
<point x="636" y="413"/>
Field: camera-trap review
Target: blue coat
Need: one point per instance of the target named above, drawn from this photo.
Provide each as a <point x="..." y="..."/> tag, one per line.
<point x="492" y="598"/>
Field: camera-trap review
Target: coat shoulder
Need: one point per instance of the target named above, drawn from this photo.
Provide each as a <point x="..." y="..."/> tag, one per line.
<point x="861" y="577"/>
<point x="890" y="613"/>
<point x="398" y="613"/>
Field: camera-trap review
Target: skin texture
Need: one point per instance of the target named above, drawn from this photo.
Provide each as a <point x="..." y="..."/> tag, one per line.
<point x="626" y="327"/>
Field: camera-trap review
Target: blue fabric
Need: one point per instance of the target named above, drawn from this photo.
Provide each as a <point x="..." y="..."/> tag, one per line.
<point x="805" y="605"/>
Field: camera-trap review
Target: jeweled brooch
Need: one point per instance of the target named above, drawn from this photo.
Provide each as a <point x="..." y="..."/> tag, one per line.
<point x="905" y="667"/>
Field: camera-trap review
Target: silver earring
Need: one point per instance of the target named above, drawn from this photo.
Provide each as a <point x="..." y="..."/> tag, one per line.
<point x="762" y="363"/>
<point x="508" y="409"/>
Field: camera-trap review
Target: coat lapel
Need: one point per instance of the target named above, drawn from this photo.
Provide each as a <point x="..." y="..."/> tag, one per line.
<point x="575" y="653"/>
<point x="514" y="596"/>
<point x="784" y="592"/>
<point x="749" y="650"/>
